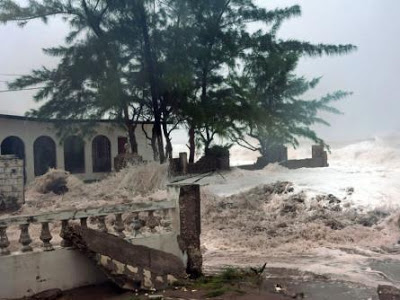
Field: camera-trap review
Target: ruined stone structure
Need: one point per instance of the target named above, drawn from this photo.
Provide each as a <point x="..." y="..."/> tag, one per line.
<point x="319" y="159"/>
<point x="148" y="245"/>
<point x="11" y="183"/>
<point x="207" y="163"/>
<point x="279" y="155"/>
<point x="276" y="154"/>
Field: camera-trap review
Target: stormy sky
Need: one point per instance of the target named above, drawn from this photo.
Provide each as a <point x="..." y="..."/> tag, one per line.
<point x="371" y="73"/>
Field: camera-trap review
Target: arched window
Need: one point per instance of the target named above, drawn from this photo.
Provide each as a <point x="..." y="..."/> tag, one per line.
<point x="13" y="145"/>
<point x="101" y="154"/>
<point x="44" y="152"/>
<point x="74" y="154"/>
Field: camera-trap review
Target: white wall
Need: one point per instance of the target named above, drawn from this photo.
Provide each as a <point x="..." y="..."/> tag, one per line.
<point x="28" y="131"/>
<point x="25" y="274"/>
<point x="29" y="273"/>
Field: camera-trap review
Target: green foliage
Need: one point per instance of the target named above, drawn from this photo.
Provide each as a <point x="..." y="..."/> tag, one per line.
<point x="279" y="113"/>
<point x="178" y="61"/>
<point x="226" y="281"/>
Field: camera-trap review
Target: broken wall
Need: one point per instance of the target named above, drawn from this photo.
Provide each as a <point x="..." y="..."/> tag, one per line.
<point x="11" y="182"/>
<point x="319" y="159"/>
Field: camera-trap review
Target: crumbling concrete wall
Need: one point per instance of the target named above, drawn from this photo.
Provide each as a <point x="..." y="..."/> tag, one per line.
<point x="207" y="163"/>
<point x="279" y="155"/>
<point x="11" y="182"/>
<point x="319" y="160"/>
<point x="276" y="154"/>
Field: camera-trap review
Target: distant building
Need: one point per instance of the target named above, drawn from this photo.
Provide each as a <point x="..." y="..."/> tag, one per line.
<point x="89" y="158"/>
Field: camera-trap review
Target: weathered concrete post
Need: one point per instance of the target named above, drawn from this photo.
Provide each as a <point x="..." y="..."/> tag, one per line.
<point x="183" y="162"/>
<point x="190" y="227"/>
<point x="319" y="154"/>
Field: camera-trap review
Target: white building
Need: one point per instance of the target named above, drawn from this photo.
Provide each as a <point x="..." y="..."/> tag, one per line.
<point x="90" y="157"/>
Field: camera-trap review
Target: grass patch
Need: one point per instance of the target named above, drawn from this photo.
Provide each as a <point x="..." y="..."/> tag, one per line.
<point x="229" y="280"/>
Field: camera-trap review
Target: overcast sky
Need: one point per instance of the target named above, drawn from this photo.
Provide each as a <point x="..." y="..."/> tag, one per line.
<point x="372" y="72"/>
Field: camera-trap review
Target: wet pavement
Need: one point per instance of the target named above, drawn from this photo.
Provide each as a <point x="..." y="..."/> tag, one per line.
<point x="278" y="283"/>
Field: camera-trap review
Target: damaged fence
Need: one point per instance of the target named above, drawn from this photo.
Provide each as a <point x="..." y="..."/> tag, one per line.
<point x="165" y="231"/>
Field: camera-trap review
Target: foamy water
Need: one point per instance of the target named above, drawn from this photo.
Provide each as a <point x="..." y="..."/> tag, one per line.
<point x="370" y="168"/>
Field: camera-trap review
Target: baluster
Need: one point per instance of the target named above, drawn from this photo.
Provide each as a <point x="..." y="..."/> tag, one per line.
<point x="84" y="222"/>
<point x="45" y="237"/>
<point x="152" y="221"/>
<point x="101" y="225"/>
<point x="136" y="223"/>
<point x="65" y="242"/>
<point x="24" y="238"/>
<point x="166" y="221"/>
<point x="4" y="243"/>
<point x="119" y="225"/>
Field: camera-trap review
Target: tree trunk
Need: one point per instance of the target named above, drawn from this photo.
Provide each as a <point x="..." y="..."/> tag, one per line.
<point x="152" y="79"/>
<point x="207" y="144"/>
<point x="154" y="145"/>
<point x="192" y="145"/>
<point x="168" y="146"/>
<point x="132" y="138"/>
<point x="131" y="131"/>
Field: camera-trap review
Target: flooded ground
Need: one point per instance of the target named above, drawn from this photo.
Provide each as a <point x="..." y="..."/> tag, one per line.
<point x="278" y="284"/>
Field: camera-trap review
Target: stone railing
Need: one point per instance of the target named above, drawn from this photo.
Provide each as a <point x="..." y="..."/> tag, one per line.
<point x="124" y="220"/>
<point x="141" y="241"/>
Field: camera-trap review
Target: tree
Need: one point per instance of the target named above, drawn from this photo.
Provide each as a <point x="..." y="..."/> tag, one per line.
<point x="278" y="114"/>
<point x="172" y="62"/>
<point x="217" y="40"/>
<point x="92" y="79"/>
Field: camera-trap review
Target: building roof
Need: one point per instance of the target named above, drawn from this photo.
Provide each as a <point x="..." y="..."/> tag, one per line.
<point x="25" y="118"/>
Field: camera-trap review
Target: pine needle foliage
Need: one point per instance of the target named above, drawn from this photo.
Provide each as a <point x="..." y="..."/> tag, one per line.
<point x="178" y="62"/>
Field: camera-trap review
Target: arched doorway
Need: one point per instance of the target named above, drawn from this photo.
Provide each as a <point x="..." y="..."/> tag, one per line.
<point x="13" y="145"/>
<point x="101" y="154"/>
<point x="74" y="154"/>
<point x="44" y="152"/>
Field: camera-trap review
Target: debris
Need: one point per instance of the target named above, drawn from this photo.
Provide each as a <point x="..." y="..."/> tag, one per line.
<point x="387" y="292"/>
<point x="156" y="297"/>
<point x="279" y="288"/>
<point x="349" y="191"/>
<point x="53" y="181"/>
<point x="259" y="271"/>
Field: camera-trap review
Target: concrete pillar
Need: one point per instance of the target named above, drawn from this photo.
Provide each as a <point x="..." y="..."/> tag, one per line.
<point x="317" y="151"/>
<point x="183" y="162"/>
<point x="114" y="149"/>
<point x="88" y="157"/>
<point x="60" y="164"/>
<point x="29" y="161"/>
<point x="190" y="227"/>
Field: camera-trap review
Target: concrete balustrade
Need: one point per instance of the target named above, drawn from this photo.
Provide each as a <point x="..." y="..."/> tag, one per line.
<point x="145" y="216"/>
<point x="168" y="232"/>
